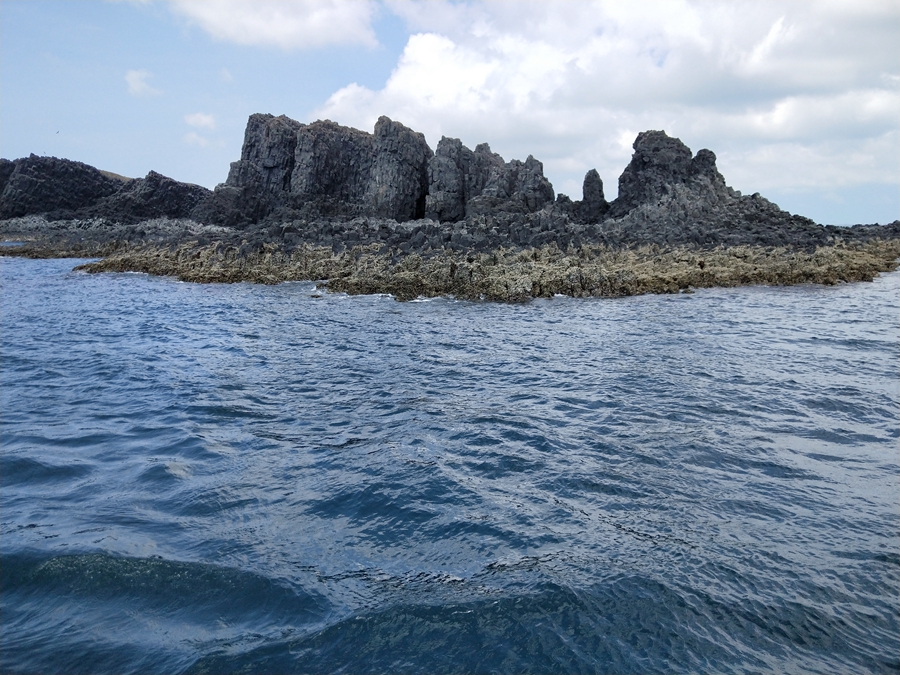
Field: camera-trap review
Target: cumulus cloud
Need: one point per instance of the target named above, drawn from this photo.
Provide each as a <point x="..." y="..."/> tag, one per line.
<point x="201" y="121"/>
<point x="138" y="84"/>
<point x="779" y="90"/>
<point x="287" y="24"/>
<point x="193" y="138"/>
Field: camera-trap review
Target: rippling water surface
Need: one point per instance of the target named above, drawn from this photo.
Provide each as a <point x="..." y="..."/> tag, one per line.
<point x="237" y="478"/>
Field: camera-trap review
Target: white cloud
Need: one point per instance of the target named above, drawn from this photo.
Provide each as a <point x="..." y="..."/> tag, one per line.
<point x="193" y="138"/>
<point x="815" y="83"/>
<point x="225" y="75"/>
<point x="288" y="24"/>
<point x="790" y="165"/>
<point x="138" y="85"/>
<point x="201" y="121"/>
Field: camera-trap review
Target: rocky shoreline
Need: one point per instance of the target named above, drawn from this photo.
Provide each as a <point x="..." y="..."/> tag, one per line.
<point x="382" y="213"/>
<point x="511" y="275"/>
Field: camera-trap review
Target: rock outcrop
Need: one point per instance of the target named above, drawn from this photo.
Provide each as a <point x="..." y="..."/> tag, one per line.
<point x="325" y="167"/>
<point x="46" y="184"/>
<point x="154" y="196"/>
<point x="267" y="155"/>
<point x="398" y="183"/>
<point x="593" y="205"/>
<point x="462" y="182"/>
<point x="328" y="185"/>
<point x="668" y="196"/>
<point x="662" y="165"/>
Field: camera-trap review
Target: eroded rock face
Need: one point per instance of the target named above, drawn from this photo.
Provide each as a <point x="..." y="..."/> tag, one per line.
<point x="46" y="184"/>
<point x="593" y="205"/>
<point x="398" y="183"/>
<point x="462" y="182"/>
<point x="330" y="185"/>
<point x="658" y="163"/>
<point x="6" y="169"/>
<point x="663" y="169"/>
<point x="267" y="156"/>
<point x="456" y="175"/>
<point x="260" y="180"/>
<point x="154" y="196"/>
<point x="286" y="164"/>
<point x="332" y="161"/>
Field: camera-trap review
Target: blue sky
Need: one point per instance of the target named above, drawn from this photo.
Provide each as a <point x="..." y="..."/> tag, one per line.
<point x="799" y="100"/>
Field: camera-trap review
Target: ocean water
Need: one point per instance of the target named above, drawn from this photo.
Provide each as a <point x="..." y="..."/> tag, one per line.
<point x="239" y="478"/>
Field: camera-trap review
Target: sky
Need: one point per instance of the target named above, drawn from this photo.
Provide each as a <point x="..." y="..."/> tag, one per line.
<point x="800" y="100"/>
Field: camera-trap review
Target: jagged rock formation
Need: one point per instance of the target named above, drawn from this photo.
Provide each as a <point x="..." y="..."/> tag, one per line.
<point x="667" y="196"/>
<point x="286" y="166"/>
<point x="462" y="183"/>
<point x="329" y="185"/>
<point x="260" y="180"/>
<point x="267" y="155"/>
<point x="659" y="165"/>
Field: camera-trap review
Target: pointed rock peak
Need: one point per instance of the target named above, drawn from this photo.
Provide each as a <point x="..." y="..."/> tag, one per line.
<point x="386" y="126"/>
<point x="593" y="205"/>
<point x="592" y="188"/>
<point x="659" y="161"/>
<point x="448" y="142"/>
<point x="704" y="164"/>
<point x="659" y="149"/>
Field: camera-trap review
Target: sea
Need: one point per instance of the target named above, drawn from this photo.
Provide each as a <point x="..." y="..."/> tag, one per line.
<point x="277" y="479"/>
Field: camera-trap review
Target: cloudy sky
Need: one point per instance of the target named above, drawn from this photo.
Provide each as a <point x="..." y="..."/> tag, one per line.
<point x="800" y="100"/>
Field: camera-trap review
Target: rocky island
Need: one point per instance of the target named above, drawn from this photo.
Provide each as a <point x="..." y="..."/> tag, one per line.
<point x="384" y="213"/>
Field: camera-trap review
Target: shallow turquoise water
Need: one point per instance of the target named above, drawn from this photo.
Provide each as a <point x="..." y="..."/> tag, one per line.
<point x="237" y="478"/>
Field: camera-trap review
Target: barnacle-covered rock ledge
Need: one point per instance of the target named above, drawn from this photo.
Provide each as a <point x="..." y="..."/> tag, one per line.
<point x="382" y="213"/>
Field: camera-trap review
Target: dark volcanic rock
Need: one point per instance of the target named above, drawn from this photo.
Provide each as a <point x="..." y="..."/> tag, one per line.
<point x="520" y="184"/>
<point x="6" y="169"/>
<point x="267" y="155"/>
<point x="456" y="175"/>
<point x="154" y="196"/>
<point x="398" y="184"/>
<point x="669" y="197"/>
<point x="593" y="205"/>
<point x="329" y="185"/>
<point x="46" y="184"/>
<point x="333" y="162"/>
<point x="260" y="180"/>
<point x="462" y="182"/>
<point x="658" y="163"/>
<point x="324" y="168"/>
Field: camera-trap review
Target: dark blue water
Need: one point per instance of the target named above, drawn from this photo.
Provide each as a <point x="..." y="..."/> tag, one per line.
<point x="238" y="478"/>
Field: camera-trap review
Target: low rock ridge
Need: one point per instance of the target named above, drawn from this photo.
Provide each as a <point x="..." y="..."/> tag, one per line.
<point x="330" y="185"/>
<point x="62" y="189"/>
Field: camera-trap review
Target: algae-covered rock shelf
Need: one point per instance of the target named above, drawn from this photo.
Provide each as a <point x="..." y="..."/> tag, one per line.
<point x="511" y="275"/>
<point x="383" y="213"/>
